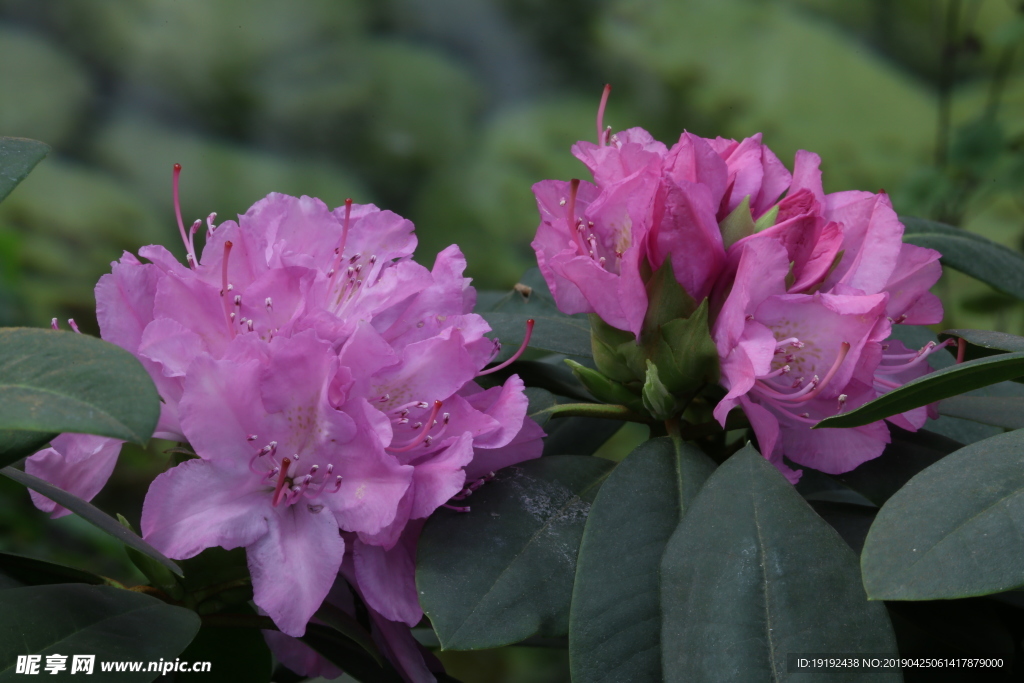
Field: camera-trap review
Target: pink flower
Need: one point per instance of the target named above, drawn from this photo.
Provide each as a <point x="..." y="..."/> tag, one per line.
<point x="810" y="304"/>
<point x="326" y="382"/>
<point x="77" y="463"/>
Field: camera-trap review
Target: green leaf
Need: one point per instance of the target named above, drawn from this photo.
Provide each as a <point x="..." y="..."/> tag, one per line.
<point x="954" y="530"/>
<point x="604" y="389"/>
<point x="504" y="571"/>
<point x="553" y="330"/>
<point x="578" y="435"/>
<point x="89" y="513"/>
<point x="988" y="342"/>
<point x="32" y="572"/>
<point x="998" y="411"/>
<point x="970" y="253"/>
<point x="18" y="156"/>
<point x="686" y="355"/>
<point x="907" y="454"/>
<point x="159" y="576"/>
<point x="657" y="399"/>
<point x="615" y="619"/>
<point x="349" y="656"/>
<point x="935" y="386"/>
<point x="738" y="224"/>
<point x="236" y="655"/>
<point x="666" y="300"/>
<point x="53" y="382"/>
<point x="752" y="574"/>
<point x="113" y="624"/>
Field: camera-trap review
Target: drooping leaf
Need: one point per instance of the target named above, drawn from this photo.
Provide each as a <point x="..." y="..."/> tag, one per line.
<point x="615" y="619"/>
<point x="970" y="253"/>
<point x="752" y="574"/>
<point x="113" y="624"/>
<point x="159" y="576"/>
<point x="932" y="387"/>
<point x="503" y="571"/>
<point x="53" y="382"/>
<point x="18" y="156"/>
<point x="91" y="514"/>
<point x="953" y="530"/>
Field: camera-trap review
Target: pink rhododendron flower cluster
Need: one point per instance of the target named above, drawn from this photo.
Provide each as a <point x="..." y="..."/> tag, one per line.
<point x="325" y="381"/>
<point x="801" y="309"/>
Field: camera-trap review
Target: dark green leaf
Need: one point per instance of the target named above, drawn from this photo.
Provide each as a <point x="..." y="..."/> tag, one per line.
<point x="954" y="530"/>
<point x="1006" y="412"/>
<point x="578" y="435"/>
<point x="905" y="456"/>
<point x="554" y="331"/>
<point x="349" y="656"/>
<point x="666" y="300"/>
<point x="89" y="513"/>
<point x="850" y="521"/>
<point x="753" y="574"/>
<point x="18" y="156"/>
<point x="159" y="576"/>
<point x="349" y="627"/>
<point x="32" y="572"/>
<point x="504" y="571"/>
<point x="557" y="333"/>
<point x="236" y="655"/>
<point x="932" y="387"/>
<point x="16" y="444"/>
<point x="615" y="619"/>
<point x="981" y="343"/>
<point x="540" y="400"/>
<point x="113" y="624"/>
<point x="970" y="253"/>
<point x="686" y="354"/>
<point x="53" y="382"/>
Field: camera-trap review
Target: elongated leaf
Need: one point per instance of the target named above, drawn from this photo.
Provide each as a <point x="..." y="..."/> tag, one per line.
<point x="1006" y="412"/>
<point x="18" y="156"/>
<point x="615" y="619"/>
<point x="995" y="265"/>
<point x="53" y="382"/>
<point x="936" y="386"/>
<point x="954" y="529"/>
<point x="32" y="572"/>
<point x="578" y="435"/>
<point x="751" y="575"/>
<point x="89" y="513"/>
<point x="989" y="339"/>
<point x="113" y="624"/>
<point x="504" y="571"/>
<point x="907" y="454"/>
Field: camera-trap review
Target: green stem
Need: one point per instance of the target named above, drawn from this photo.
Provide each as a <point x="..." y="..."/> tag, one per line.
<point x="602" y="410"/>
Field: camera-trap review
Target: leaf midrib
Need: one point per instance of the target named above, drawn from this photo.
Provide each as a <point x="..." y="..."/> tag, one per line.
<point x="110" y="418"/>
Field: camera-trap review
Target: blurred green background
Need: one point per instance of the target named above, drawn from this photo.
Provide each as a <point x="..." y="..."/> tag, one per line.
<point x="447" y="111"/>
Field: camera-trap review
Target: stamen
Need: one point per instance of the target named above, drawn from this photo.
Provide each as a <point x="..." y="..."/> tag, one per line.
<point x="269" y="304"/>
<point x="225" y="287"/>
<point x="515" y="356"/>
<point x="456" y="508"/>
<point x="570" y="215"/>
<point x="177" y="205"/>
<point x="251" y="437"/>
<point x="210" y="227"/>
<point x="344" y="236"/>
<point x="602" y="135"/>
<point x="961" y="349"/>
<point x="781" y="371"/>
<point x="917" y="358"/>
<point x="74" y="325"/>
<point x="191" y="244"/>
<point x="53" y="324"/>
<point x="423" y="434"/>
<point x="814" y="387"/>
<point x="280" y="482"/>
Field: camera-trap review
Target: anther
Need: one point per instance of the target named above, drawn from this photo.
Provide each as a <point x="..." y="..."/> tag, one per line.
<point x="74" y="325"/>
<point x="419" y="438"/>
<point x="238" y="299"/>
<point x="269" y="304"/>
<point x="281" y="480"/>
<point x="54" y="325"/>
